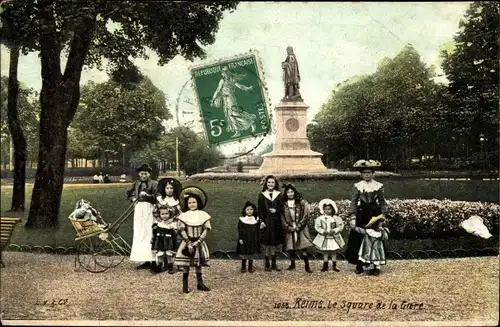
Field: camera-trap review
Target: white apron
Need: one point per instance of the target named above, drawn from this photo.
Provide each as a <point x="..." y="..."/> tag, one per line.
<point x="143" y="233"/>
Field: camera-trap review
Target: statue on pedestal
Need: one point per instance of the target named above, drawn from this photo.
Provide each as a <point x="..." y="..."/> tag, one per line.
<point x="291" y="76"/>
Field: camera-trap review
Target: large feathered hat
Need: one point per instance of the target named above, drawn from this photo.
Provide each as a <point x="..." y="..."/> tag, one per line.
<point x="196" y="191"/>
<point x="144" y="167"/>
<point x="322" y="203"/>
<point x="366" y="164"/>
<point x="162" y="183"/>
<point x="374" y="220"/>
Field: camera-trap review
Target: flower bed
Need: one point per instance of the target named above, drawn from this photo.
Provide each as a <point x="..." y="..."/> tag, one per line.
<point x="414" y="218"/>
<point x="254" y="177"/>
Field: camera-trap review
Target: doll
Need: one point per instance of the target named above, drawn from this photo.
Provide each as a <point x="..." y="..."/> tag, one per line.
<point x="329" y="226"/>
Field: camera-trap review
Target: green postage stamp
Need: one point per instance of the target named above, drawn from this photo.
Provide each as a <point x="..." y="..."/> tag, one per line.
<point x="232" y="99"/>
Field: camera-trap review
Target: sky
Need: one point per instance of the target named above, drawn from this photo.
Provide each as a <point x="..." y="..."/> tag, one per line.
<point x="333" y="41"/>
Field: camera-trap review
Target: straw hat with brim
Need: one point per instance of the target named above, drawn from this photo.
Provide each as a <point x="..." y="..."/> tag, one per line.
<point x="194" y="190"/>
<point x="370" y="164"/>
<point x="162" y="183"/>
<point x="144" y="167"/>
<point x="374" y="220"/>
<point x="322" y="203"/>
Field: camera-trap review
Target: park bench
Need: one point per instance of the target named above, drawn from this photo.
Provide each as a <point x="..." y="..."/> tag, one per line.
<point x="7" y="227"/>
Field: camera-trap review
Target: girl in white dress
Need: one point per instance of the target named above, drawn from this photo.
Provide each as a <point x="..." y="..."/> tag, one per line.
<point x="329" y="227"/>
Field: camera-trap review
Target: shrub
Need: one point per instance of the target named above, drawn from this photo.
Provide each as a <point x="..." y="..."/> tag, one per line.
<point x="420" y="219"/>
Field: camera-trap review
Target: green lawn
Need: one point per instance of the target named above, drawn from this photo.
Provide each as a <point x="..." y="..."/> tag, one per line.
<point x="225" y="201"/>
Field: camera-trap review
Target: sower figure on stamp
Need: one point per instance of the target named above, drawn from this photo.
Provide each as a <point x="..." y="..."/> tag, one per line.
<point x="295" y="219"/>
<point x="291" y="76"/>
<point x="193" y="226"/>
<point x="143" y="191"/>
<point x="270" y="208"/>
<point x="367" y="201"/>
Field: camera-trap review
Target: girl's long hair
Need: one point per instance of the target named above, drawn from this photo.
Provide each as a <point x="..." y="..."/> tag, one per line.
<point x="296" y="194"/>
<point x="276" y="183"/>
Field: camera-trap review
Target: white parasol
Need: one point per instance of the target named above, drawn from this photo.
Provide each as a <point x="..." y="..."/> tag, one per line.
<point x="475" y="226"/>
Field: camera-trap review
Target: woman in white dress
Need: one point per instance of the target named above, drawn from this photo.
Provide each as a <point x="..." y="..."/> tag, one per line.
<point x="143" y="193"/>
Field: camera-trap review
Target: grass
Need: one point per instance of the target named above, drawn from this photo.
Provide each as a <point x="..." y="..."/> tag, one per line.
<point x="450" y="290"/>
<point x="225" y="201"/>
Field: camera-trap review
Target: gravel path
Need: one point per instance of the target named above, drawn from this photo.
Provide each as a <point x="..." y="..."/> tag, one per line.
<point x="450" y="289"/>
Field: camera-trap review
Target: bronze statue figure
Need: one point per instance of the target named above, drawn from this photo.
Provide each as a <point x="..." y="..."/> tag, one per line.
<point x="291" y="76"/>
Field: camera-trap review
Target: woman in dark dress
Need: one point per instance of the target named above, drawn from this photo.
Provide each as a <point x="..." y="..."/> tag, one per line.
<point x="270" y="209"/>
<point x="367" y="201"/>
<point x="248" y="236"/>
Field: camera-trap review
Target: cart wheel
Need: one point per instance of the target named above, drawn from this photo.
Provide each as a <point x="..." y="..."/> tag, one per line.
<point x="96" y="255"/>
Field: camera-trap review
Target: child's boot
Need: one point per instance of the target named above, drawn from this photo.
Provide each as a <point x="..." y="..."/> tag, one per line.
<point x="155" y="268"/>
<point x="201" y="286"/>
<point x="334" y="266"/>
<point x="250" y="266"/>
<point x="325" y="266"/>
<point x="273" y="263"/>
<point x="185" y="278"/>
<point x="306" y="262"/>
<point x="292" y="262"/>
<point x="267" y="265"/>
<point x="243" y="266"/>
<point x="359" y="268"/>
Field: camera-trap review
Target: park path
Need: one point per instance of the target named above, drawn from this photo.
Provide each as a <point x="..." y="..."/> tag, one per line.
<point x="450" y="289"/>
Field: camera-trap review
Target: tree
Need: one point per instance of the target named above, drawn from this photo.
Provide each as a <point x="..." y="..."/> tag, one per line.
<point x="383" y="115"/>
<point x="472" y="69"/>
<point x="80" y="29"/>
<point x="112" y="113"/>
<point x="16" y="36"/>
<point x="194" y="153"/>
<point x="20" y="121"/>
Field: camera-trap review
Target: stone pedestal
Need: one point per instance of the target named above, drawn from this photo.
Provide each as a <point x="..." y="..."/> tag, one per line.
<point x="292" y="150"/>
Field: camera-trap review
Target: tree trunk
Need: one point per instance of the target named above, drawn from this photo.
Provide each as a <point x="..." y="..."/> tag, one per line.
<point x="59" y="99"/>
<point x="16" y="130"/>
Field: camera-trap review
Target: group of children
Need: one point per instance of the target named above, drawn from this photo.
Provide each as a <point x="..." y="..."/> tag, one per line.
<point x="281" y="221"/>
<point x="170" y="226"/>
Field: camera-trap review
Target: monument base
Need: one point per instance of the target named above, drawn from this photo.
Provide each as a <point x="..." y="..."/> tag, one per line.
<point x="286" y="162"/>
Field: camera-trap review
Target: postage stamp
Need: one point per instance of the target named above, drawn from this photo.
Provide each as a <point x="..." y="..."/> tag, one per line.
<point x="232" y="99"/>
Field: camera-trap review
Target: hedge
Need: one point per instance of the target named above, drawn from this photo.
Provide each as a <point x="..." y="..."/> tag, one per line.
<point x="254" y="177"/>
<point x="426" y="219"/>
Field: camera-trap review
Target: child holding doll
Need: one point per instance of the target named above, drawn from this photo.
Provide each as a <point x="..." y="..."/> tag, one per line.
<point x="329" y="227"/>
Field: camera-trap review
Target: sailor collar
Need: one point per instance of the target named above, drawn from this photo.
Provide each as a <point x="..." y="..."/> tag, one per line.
<point x="371" y="186"/>
<point x="194" y="217"/>
<point x="274" y="194"/>
<point x="249" y="220"/>
<point x="170" y="200"/>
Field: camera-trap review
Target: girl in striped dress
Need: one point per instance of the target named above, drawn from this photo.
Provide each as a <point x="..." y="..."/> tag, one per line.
<point x="193" y="226"/>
